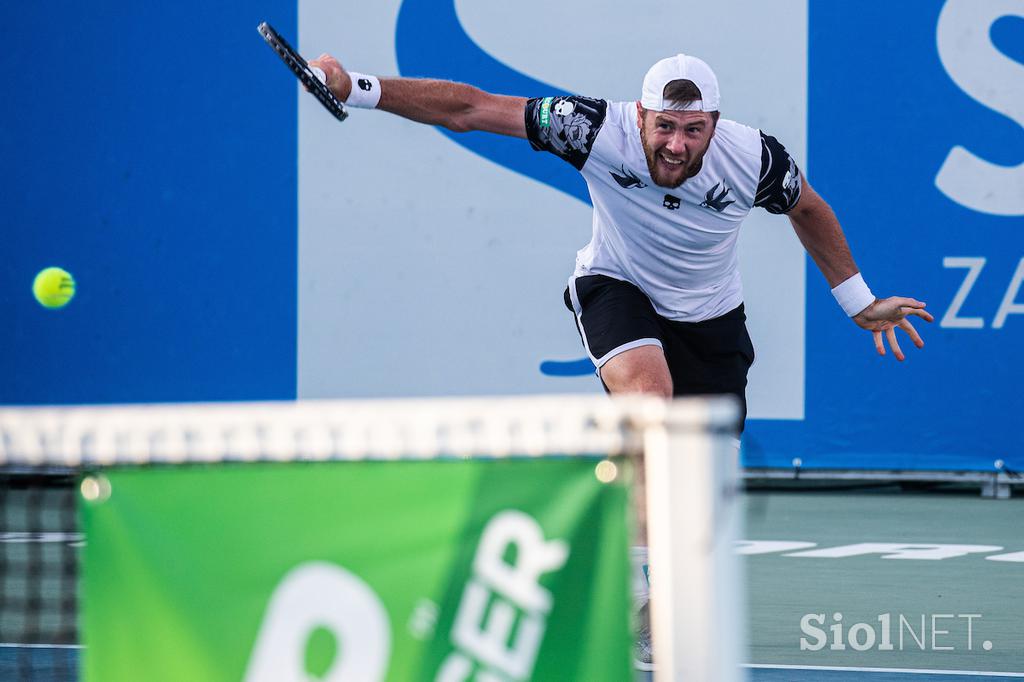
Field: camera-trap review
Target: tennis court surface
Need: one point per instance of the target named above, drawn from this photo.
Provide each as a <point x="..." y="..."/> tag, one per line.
<point x="944" y="569"/>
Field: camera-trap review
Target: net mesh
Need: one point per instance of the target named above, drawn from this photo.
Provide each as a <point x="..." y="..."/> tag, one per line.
<point x="39" y="545"/>
<point x="45" y="452"/>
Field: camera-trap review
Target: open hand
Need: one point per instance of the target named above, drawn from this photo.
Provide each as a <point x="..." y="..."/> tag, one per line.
<point x="884" y="316"/>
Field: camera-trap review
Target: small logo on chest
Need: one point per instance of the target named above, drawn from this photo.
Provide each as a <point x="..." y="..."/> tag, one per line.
<point x="628" y="179"/>
<point x="716" y="198"/>
<point x="671" y="202"/>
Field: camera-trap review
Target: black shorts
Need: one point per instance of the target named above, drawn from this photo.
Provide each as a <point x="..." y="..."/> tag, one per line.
<point x="711" y="357"/>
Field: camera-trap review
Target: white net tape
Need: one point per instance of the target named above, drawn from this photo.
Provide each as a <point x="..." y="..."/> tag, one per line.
<point x="321" y="430"/>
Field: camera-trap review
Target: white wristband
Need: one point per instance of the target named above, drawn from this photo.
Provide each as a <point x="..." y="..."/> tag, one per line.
<point x="365" y="91"/>
<point x="853" y="295"/>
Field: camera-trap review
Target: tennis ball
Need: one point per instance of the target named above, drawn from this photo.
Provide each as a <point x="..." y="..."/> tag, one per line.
<point x="53" y="287"/>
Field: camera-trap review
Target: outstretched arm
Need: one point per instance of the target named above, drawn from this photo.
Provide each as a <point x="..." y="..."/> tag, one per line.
<point x="819" y="231"/>
<point x="456" y="106"/>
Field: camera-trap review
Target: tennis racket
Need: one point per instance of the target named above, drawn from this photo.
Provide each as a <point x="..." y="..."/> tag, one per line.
<point x="313" y="78"/>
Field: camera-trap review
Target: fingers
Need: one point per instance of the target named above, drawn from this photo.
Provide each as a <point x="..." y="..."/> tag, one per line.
<point x="337" y="79"/>
<point x="905" y="302"/>
<point x="923" y="314"/>
<point x="912" y="333"/>
<point x="883" y="317"/>
<point x="890" y="334"/>
<point x="324" y="61"/>
<point x="890" y="337"/>
<point x="317" y="67"/>
<point x="911" y="306"/>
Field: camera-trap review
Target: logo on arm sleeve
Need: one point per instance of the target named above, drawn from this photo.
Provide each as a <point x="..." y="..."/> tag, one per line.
<point x="565" y="126"/>
<point x="778" y="190"/>
<point x="545" y="112"/>
<point x="791" y="184"/>
<point x="565" y="107"/>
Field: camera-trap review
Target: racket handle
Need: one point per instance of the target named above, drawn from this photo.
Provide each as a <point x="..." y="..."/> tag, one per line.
<point x="319" y="73"/>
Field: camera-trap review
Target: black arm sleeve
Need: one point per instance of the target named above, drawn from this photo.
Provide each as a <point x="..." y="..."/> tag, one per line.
<point x="565" y="126"/>
<point x="778" y="190"/>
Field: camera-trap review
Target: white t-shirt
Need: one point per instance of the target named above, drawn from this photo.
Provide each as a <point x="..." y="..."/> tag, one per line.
<point x="679" y="246"/>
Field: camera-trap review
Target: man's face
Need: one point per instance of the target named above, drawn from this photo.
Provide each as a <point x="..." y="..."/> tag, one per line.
<point x="674" y="143"/>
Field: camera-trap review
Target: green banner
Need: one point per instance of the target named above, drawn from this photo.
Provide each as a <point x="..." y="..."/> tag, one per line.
<point x="448" y="570"/>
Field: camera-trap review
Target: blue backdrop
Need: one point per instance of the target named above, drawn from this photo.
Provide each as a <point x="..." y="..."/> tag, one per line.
<point x="883" y="114"/>
<point x="145" y="150"/>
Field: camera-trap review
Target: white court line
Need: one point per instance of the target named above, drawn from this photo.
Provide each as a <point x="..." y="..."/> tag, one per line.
<point x="761" y="666"/>
<point x="907" y="671"/>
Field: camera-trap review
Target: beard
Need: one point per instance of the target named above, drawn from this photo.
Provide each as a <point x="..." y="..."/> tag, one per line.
<point x="669" y="180"/>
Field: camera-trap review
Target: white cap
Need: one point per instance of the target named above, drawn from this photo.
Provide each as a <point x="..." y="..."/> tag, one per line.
<point x="680" y="67"/>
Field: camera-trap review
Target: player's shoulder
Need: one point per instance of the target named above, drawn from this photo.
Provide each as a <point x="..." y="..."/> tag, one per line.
<point x="620" y="116"/>
<point x="615" y="140"/>
<point x="621" y="111"/>
<point x="737" y="138"/>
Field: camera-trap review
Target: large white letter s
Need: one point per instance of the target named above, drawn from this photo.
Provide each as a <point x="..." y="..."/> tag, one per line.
<point x="995" y="80"/>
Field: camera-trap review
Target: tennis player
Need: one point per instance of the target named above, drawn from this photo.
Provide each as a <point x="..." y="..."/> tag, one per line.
<point x="656" y="293"/>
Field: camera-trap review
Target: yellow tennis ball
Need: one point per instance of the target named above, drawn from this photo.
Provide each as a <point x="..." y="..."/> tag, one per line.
<point x="53" y="287"/>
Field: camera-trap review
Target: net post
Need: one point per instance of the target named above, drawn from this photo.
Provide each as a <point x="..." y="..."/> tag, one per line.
<point x="693" y="519"/>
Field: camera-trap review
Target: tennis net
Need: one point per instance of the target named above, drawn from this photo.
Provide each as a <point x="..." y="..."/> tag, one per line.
<point x="39" y="545"/>
<point x="436" y="537"/>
